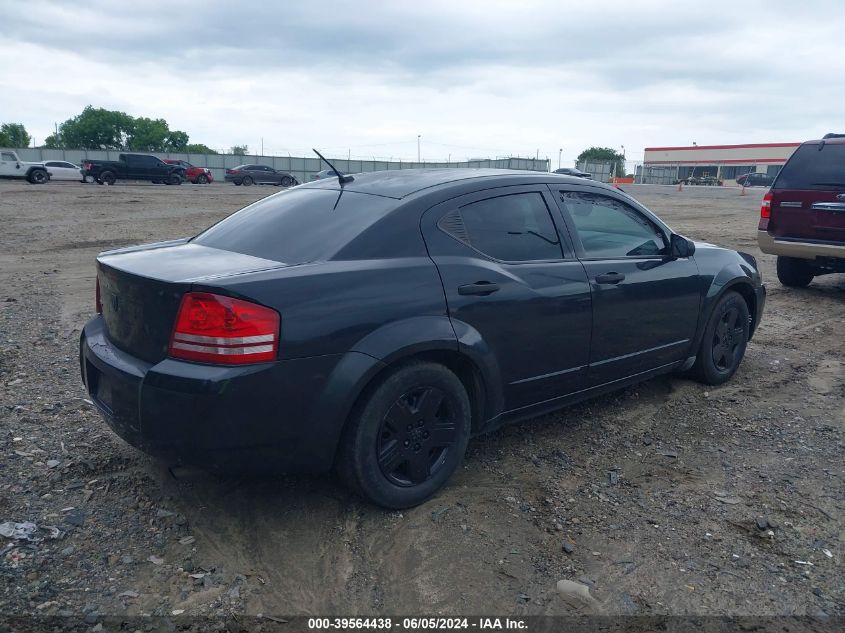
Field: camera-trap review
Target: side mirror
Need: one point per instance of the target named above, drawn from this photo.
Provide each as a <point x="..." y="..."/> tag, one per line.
<point x="680" y="246"/>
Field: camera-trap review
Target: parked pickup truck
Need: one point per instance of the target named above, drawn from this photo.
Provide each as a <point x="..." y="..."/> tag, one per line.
<point x="13" y="167"/>
<point x="132" y="167"/>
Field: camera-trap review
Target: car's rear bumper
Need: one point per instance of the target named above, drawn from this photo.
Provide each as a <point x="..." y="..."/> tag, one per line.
<point x="791" y="247"/>
<point x="270" y="416"/>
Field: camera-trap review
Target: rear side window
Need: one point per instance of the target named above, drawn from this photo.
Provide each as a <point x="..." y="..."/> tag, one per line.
<point x="814" y="168"/>
<point x="297" y="226"/>
<point x="512" y="228"/>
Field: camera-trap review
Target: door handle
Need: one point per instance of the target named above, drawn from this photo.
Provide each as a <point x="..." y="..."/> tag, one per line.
<point x="609" y="278"/>
<point x="482" y="288"/>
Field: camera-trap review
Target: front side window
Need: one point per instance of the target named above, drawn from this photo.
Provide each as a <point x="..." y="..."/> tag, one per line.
<point x="609" y="228"/>
<point x="512" y="228"/>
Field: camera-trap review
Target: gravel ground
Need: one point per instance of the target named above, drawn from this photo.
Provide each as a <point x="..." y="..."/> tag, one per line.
<point x="665" y="498"/>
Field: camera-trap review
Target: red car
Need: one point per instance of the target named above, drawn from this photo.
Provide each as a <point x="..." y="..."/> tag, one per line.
<point x="197" y="175"/>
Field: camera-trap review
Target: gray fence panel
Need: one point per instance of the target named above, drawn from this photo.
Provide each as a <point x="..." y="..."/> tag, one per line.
<point x="302" y="168"/>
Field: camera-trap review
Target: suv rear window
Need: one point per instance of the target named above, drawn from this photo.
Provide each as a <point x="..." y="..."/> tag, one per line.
<point x="814" y="168"/>
<point x="297" y="226"/>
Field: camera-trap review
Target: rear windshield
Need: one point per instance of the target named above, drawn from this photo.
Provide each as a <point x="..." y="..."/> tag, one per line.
<point x="297" y="226"/>
<point x="814" y="168"/>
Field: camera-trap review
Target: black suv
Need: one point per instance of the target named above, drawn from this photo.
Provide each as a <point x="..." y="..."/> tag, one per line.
<point x="802" y="219"/>
<point x="374" y="323"/>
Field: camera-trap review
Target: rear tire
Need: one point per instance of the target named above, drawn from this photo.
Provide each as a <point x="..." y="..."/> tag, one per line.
<point x="724" y="341"/>
<point x="794" y="272"/>
<point x="408" y="435"/>
<point x="247" y="181"/>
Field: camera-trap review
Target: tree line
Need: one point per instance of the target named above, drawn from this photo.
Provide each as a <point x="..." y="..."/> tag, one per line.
<point x="98" y="128"/>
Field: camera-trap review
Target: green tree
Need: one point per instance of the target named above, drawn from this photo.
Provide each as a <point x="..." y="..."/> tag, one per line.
<point x="14" y="135"/>
<point x="54" y="141"/>
<point x="154" y="135"/>
<point x="604" y="155"/>
<point x="198" y="148"/>
<point x="239" y="150"/>
<point x="96" y="128"/>
<point x="177" y="141"/>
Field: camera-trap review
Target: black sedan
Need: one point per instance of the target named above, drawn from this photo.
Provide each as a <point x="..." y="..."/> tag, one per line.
<point x="374" y="325"/>
<point x="259" y="175"/>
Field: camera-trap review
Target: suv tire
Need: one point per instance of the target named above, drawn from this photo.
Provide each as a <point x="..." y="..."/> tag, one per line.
<point x="407" y="435"/>
<point x="174" y="179"/>
<point x="725" y="339"/>
<point x="794" y="272"/>
<point x="38" y="176"/>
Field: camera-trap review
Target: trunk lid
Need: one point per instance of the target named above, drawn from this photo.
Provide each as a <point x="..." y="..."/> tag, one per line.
<point x="141" y="289"/>
<point x="808" y="197"/>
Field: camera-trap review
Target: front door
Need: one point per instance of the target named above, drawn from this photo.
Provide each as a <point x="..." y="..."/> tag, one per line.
<point x="512" y="284"/>
<point x="9" y="165"/>
<point x="645" y="303"/>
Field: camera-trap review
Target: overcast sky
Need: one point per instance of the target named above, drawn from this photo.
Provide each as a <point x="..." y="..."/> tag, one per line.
<point x="472" y="78"/>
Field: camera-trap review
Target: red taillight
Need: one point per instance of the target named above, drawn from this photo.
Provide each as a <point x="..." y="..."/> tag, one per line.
<point x="86" y="166"/>
<point x="216" y="329"/>
<point x="766" y="208"/>
<point x="98" y="300"/>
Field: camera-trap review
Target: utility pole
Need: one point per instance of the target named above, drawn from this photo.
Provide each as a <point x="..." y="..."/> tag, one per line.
<point x="262" y="146"/>
<point x="559" y="154"/>
<point x="418" y="147"/>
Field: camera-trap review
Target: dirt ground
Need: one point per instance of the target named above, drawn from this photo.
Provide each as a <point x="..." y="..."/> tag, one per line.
<point x="657" y="490"/>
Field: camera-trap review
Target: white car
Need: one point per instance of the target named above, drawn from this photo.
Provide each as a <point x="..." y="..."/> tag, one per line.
<point x="61" y="170"/>
<point x="13" y="167"/>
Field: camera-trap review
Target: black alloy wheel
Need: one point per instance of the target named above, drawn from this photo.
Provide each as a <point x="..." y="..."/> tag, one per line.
<point x="38" y="177"/>
<point x="247" y="181"/>
<point x="728" y="336"/>
<point x="725" y="339"/>
<point x="416" y="433"/>
<point x="406" y="436"/>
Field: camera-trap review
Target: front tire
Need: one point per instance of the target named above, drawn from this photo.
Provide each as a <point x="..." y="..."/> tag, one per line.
<point x="287" y="181"/>
<point x="38" y="177"/>
<point x="202" y="179"/>
<point x="407" y="437"/>
<point x="174" y="179"/>
<point x="794" y="272"/>
<point x="107" y="178"/>
<point x="725" y="339"/>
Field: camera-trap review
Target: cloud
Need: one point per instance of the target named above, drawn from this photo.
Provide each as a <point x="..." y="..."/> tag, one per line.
<point x="473" y="78"/>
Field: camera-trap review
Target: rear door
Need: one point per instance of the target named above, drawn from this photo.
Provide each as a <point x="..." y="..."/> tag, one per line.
<point x="808" y="196"/>
<point x="508" y="276"/>
<point x="645" y="303"/>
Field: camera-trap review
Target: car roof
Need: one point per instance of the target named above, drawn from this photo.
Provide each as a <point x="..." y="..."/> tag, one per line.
<point x="834" y="140"/>
<point x="400" y="183"/>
